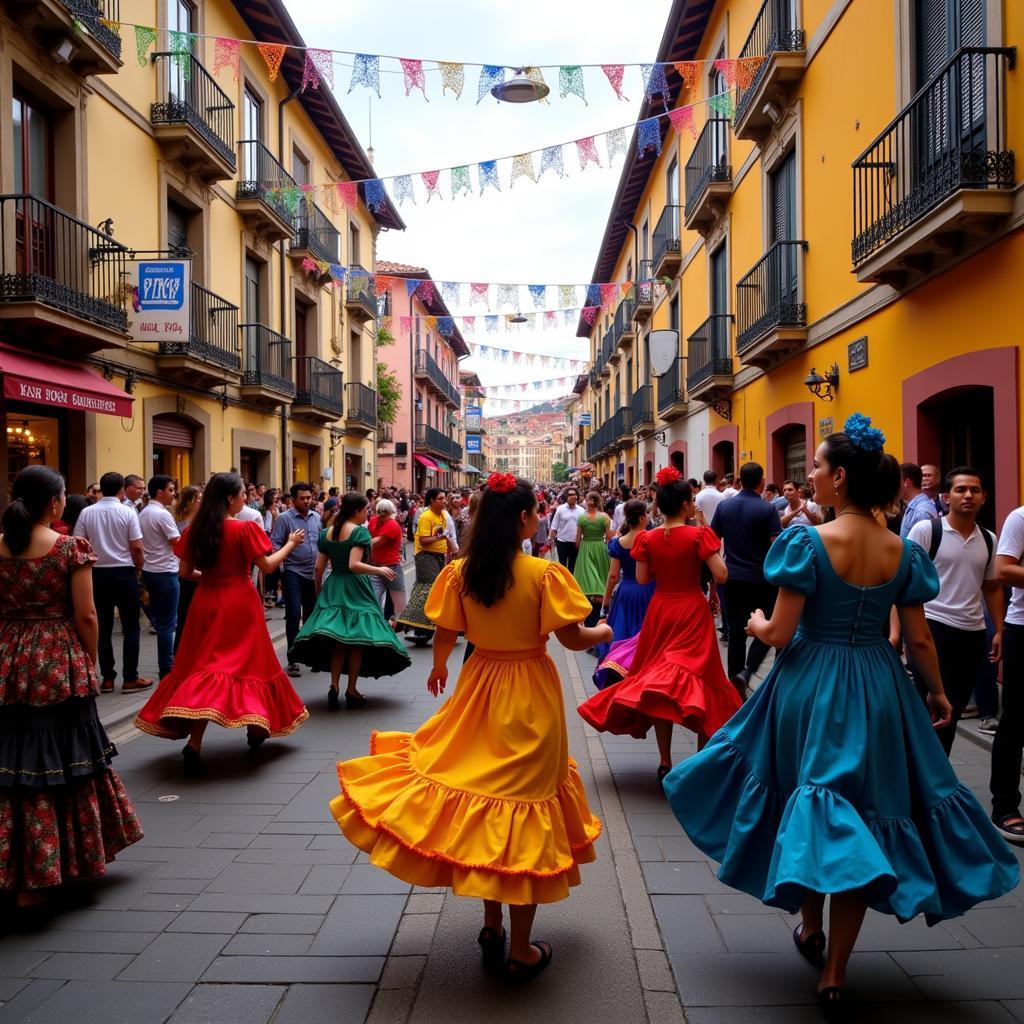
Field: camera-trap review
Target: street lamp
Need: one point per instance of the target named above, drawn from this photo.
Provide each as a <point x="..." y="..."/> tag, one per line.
<point x="520" y="89"/>
<point x="823" y="387"/>
<point x="517" y="318"/>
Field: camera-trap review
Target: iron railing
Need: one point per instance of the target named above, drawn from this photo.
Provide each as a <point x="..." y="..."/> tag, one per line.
<point x="262" y="177"/>
<point x="769" y="295"/>
<point x="315" y="233"/>
<point x="213" y="331"/>
<point x="48" y="256"/>
<point x="93" y="14"/>
<point x="196" y="100"/>
<point x="668" y="233"/>
<point x="642" y="407"/>
<point x="600" y="440"/>
<point x="359" y="290"/>
<point x="950" y="136"/>
<point x="318" y="385"/>
<point x="775" y="30"/>
<point x="267" y="359"/>
<point x="623" y="319"/>
<point x="426" y="365"/>
<point x="644" y="290"/>
<point x="429" y="439"/>
<point x="361" y="404"/>
<point x="709" y="160"/>
<point x="607" y="346"/>
<point x="622" y="424"/>
<point x="672" y="385"/>
<point x="708" y="350"/>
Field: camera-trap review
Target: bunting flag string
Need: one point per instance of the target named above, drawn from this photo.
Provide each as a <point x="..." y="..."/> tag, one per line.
<point x="272" y="54"/>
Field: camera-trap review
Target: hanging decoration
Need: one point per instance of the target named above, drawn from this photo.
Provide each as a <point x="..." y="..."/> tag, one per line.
<point x="488" y="170"/>
<point x="319" y="66"/>
<point x="480" y="293"/>
<point x="453" y="76"/>
<point x="145" y="37"/>
<point x="538" y="293"/>
<point x="403" y="189"/>
<point x="450" y="293"/>
<point x="648" y="136"/>
<point x="430" y="179"/>
<point x="508" y="295"/>
<point x="366" y="71"/>
<point x="747" y="69"/>
<point x="727" y="69"/>
<point x="536" y="76"/>
<point x="272" y="54"/>
<point x="655" y="82"/>
<point x="570" y="82"/>
<point x="522" y="167"/>
<point x="182" y="51"/>
<point x="722" y="104"/>
<point x="490" y="76"/>
<point x="551" y="160"/>
<point x="616" y="142"/>
<point x="614" y="73"/>
<point x="374" y="195"/>
<point x="227" y="53"/>
<point x="412" y="75"/>
<point x="460" y="180"/>
<point x="586" y="149"/>
<point x="690" y="72"/>
<point x="348" y="193"/>
<point x="682" y="119"/>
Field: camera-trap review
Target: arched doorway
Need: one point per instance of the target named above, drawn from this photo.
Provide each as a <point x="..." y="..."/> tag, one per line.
<point x="793" y="444"/>
<point x="173" y="444"/>
<point x="678" y="461"/>
<point x="648" y="469"/>
<point x="723" y="458"/>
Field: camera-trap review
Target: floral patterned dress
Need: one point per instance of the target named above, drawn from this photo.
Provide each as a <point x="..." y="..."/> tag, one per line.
<point x="64" y="813"/>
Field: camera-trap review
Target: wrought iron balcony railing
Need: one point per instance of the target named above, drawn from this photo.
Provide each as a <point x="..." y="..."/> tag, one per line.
<point x="672" y="385"/>
<point x="950" y="136"/>
<point x="426" y="366"/>
<point x="361" y="404"/>
<point x="642" y="407"/>
<point x="213" y="333"/>
<point x="775" y="30"/>
<point x="98" y="16"/>
<point x="267" y="359"/>
<point x="769" y="295"/>
<point x="708" y="350"/>
<point x="359" y="294"/>
<point x="709" y="160"/>
<point x="668" y="236"/>
<point x="48" y="256"/>
<point x="644" y="289"/>
<point x="430" y="439"/>
<point x="315" y="233"/>
<point x="623" y="325"/>
<point x="260" y="174"/>
<point x="622" y="424"/>
<point x="318" y="385"/>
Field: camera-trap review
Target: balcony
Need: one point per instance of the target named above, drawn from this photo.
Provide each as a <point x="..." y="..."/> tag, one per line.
<point x="624" y="328"/>
<point x="195" y="122"/>
<point x="641" y="409"/>
<point x="95" y="49"/>
<point x="315" y="236"/>
<point x="599" y="441"/>
<point x="266" y="365"/>
<point x="210" y="355"/>
<point x="360" y="300"/>
<point x="622" y="425"/>
<point x="609" y="349"/>
<point x="258" y="198"/>
<point x="60" y="279"/>
<point x="771" y="321"/>
<point x="771" y="60"/>
<point x="710" y="359"/>
<point x="643" y="304"/>
<point x="672" y="401"/>
<point x="432" y="442"/>
<point x="940" y="176"/>
<point x="708" y="176"/>
<point x="426" y="369"/>
<point x="317" y="390"/>
<point x="668" y="245"/>
<point x="361" y="411"/>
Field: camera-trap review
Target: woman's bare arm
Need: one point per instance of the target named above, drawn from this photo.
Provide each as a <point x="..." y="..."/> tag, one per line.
<point x="86" y="623"/>
<point x="779" y="629"/>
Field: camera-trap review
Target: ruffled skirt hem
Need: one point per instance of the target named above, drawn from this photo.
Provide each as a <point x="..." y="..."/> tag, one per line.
<point x="383" y="655"/>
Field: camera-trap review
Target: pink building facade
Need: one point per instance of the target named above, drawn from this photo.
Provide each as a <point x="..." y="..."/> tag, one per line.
<point x="422" y="448"/>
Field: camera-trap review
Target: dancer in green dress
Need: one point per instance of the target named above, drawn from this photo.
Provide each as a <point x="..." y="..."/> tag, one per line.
<point x="593" y="532"/>
<point x="347" y="629"/>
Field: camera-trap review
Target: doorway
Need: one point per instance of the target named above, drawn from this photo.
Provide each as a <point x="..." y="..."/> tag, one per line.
<point x="723" y="458"/>
<point x="792" y="447"/>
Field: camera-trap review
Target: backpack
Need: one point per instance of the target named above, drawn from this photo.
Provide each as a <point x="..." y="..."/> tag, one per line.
<point x="933" y="547"/>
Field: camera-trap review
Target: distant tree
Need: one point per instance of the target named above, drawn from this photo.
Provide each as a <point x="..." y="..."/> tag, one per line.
<point x="560" y="472"/>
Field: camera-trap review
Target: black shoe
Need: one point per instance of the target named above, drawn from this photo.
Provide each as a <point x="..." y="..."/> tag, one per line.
<point x="353" y="701"/>
<point x="517" y="971"/>
<point x="333" y="703"/>
<point x="834" y="1007"/>
<point x="492" y="945"/>
<point x="192" y="762"/>
<point x="255" y="738"/>
<point x="742" y="683"/>
<point x="812" y="947"/>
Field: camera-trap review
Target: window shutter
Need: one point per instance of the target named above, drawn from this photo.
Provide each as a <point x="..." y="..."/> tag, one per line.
<point x="933" y="42"/>
<point x="173" y="431"/>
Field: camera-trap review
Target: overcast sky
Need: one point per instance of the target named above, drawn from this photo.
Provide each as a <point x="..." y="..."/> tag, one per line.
<point x="544" y="233"/>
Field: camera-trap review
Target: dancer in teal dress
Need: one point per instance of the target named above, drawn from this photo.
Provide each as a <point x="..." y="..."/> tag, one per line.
<point x="593" y="532"/>
<point x="347" y="629"/>
<point x="830" y="780"/>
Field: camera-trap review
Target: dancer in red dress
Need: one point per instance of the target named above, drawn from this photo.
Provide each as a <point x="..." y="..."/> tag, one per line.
<point x="677" y="675"/>
<point x="226" y="670"/>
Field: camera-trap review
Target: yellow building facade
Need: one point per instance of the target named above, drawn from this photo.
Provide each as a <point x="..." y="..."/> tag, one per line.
<point x="106" y="158"/>
<point x="843" y="233"/>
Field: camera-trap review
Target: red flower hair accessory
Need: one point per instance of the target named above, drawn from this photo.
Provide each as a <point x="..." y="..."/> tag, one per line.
<point x="668" y="475"/>
<point x="501" y="483"/>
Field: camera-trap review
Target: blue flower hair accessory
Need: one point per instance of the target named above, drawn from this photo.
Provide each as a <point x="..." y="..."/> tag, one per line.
<point x="864" y="436"/>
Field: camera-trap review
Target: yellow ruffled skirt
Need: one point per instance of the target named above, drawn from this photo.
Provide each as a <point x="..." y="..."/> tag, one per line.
<point x="483" y="798"/>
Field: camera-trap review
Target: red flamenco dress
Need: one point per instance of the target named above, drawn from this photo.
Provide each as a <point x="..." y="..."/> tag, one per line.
<point x="226" y="670"/>
<point x="64" y="813"/>
<point x="677" y="672"/>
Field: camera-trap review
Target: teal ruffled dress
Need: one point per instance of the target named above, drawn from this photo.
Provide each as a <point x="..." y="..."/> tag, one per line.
<point x="347" y="612"/>
<point x="830" y="778"/>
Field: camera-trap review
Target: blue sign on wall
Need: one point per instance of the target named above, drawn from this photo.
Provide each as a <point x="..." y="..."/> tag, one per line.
<point x="584" y="419"/>
<point x="472" y="444"/>
<point x="161" y="285"/>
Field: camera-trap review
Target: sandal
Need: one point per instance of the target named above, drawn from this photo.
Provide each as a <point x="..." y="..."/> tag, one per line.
<point x="811" y="948"/>
<point x="1011" y="827"/>
<point x="492" y="944"/>
<point x="517" y="971"/>
<point x="833" y="1004"/>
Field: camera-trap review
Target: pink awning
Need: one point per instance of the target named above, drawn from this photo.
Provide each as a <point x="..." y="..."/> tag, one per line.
<point x="426" y="460"/>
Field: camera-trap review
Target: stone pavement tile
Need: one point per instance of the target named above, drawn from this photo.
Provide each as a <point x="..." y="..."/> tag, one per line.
<point x="679" y="847"/>
<point x="291" y="970"/>
<point x="306" y="828"/>
<point x="268" y="945"/>
<point x="282" y="924"/>
<point x="268" y="842"/>
<point x="337" y="1004"/>
<point x="90" y="920"/>
<point x="647" y="848"/>
<point x="241" y="789"/>
<point x="883" y="933"/>
<point x="681" y="878"/>
<point x="425" y="903"/>
<point x="754" y="933"/>
<point x="178" y="886"/>
<point x="161" y="901"/>
<point x="325" y="879"/>
<point x="653" y="824"/>
<point x="82" y="966"/>
<point x="228" y="840"/>
<point x="229" y="1004"/>
<point x="663" y="1008"/>
<point x="254" y="903"/>
<point x="995" y="926"/>
<point x="54" y="941"/>
<point x="259" y="878"/>
<point x="107" y="1002"/>
<point x="359" y="925"/>
<point x="260" y="809"/>
<point x="10" y="987"/>
<point x="754" y="1015"/>
<point x="210" y="923"/>
<point x="174" y="956"/>
<point x="402" y="972"/>
<point x="335" y="853"/>
<point x="639" y="793"/>
<point x="686" y="926"/>
<point x="18" y="963"/>
<point x="1015" y="1007"/>
<point x="655" y="972"/>
<point x="202" y="870"/>
<point x="34" y="993"/>
<point x="967" y="973"/>
<point x="736" y="903"/>
<point x="415" y="934"/>
<point x="365" y="878"/>
<point x="243" y="824"/>
<point x="176" y="854"/>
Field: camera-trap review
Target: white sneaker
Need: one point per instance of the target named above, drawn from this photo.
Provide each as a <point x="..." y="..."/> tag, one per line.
<point x="988" y="726"/>
<point x="971" y="711"/>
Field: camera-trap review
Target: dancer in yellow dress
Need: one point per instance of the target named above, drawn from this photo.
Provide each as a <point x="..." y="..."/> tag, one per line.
<point x="483" y="798"/>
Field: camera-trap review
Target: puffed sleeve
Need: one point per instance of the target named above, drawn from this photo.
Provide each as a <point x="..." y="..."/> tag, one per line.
<point x="614" y="548"/>
<point x="639" y="549"/>
<point x="708" y="543"/>
<point x="361" y="538"/>
<point x="254" y="541"/>
<point x="922" y="581"/>
<point x="79" y="552"/>
<point x="561" y="601"/>
<point x="791" y="562"/>
<point x="321" y="542"/>
<point x="444" y="602"/>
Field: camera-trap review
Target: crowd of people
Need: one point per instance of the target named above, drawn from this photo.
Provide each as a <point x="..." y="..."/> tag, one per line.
<point x="881" y="596"/>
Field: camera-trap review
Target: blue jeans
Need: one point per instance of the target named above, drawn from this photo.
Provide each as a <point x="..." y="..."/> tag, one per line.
<point x="299" y="602"/>
<point x="162" y="588"/>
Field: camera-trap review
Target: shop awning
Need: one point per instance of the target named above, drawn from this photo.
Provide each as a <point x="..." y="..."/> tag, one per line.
<point x="441" y="464"/>
<point x="59" y="383"/>
<point x="471" y="469"/>
<point x="426" y="460"/>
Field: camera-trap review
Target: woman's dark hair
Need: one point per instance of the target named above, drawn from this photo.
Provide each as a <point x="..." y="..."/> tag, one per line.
<point x="33" y="489"/>
<point x="72" y="510"/>
<point x="269" y="497"/>
<point x="351" y="503"/>
<point x="632" y="512"/>
<point x="187" y="500"/>
<point x="593" y="498"/>
<point x="672" y="497"/>
<point x="873" y="479"/>
<point x="494" y="541"/>
<point x="207" y="530"/>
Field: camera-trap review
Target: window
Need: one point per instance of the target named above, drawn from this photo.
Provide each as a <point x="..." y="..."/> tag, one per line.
<point x="782" y="192"/>
<point x="645" y="242"/>
<point x="719" y="282"/>
<point x="720" y="133"/>
<point x="252" y="297"/>
<point x="33" y="147"/>
<point x="353" y="245"/>
<point x="673" y="313"/>
<point x="179" y="19"/>
<point x="252" y="131"/>
<point x="355" y="358"/>
<point x="672" y="183"/>
<point x="300" y="168"/>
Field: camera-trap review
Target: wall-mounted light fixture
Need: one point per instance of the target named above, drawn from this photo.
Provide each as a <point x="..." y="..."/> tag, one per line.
<point x="823" y="387"/>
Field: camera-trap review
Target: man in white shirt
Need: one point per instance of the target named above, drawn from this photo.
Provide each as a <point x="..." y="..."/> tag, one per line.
<point x="563" y="526"/>
<point x="619" y="514"/>
<point x="964" y="559"/>
<point x="917" y="506"/>
<point x="709" y="497"/>
<point x="115" y="535"/>
<point x="160" y="566"/>
<point x="799" y="511"/>
<point x="134" y="487"/>
<point x="729" y="490"/>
